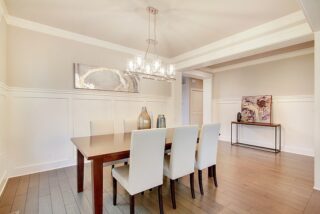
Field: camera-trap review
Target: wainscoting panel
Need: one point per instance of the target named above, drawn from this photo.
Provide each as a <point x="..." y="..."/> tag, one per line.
<point x="295" y="113"/>
<point x="39" y="132"/>
<point x="42" y="122"/>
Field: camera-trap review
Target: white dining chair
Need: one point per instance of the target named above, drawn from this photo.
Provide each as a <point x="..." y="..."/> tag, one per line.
<point x="101" y="127"/>
<point x="181" y="160"/>
<point x="129" y="125"/>
<point x="145" y="170"/>
<point x="104" y="127"/>
<point x="206" y="156"/>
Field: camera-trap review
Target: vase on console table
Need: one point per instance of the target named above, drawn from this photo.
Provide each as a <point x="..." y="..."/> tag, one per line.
<point x="144" y="120"/>
<point x="239" y="117"/>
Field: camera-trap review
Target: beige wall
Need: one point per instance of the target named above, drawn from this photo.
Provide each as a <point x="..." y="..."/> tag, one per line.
<point x="3" y="50"/>
<point x="290" y="81"/>
<point x="286" y="77"/>
<point x="37" y="60"/>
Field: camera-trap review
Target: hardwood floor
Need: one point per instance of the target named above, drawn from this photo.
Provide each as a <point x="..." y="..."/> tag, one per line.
<point x="250" y="181"/>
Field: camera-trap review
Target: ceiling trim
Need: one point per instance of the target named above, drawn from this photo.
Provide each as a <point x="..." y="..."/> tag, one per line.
<point x="3" y="9"/>
<point x="281" y="36"/>
<point x="197" y="74"/>
<point x="252" y="33"/>
<point x="53" y="31"/>
<point x="34" y="26"/>
<point x="277" y="57"/>
<point x="288" y="30"/>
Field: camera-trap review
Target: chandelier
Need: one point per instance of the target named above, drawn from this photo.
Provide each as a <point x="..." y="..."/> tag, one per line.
<point x="150" y="65"/>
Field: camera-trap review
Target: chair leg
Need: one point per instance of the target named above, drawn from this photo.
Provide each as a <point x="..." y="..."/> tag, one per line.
<point x="192" y="185"/>
<point x="173" y="196"/>
<point x="114" y="181"/>
<point x="209" y="171"/>
<point x="131" y="204"/>
<point x="160" y="199"/>
<point x="214" y="172"/>
<point x="200" y="181"/>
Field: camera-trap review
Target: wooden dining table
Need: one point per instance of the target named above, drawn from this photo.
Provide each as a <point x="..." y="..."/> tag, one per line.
<point x="99" y="150"/>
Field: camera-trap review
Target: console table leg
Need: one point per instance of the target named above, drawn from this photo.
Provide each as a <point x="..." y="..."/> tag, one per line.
<point x="279" y="138"/>
<point x="275" y="140"/>
<point x="231" y="133"/>
<point x="237" y="133"/>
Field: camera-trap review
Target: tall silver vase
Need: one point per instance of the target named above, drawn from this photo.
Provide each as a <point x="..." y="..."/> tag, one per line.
<point x="144" y="120"/>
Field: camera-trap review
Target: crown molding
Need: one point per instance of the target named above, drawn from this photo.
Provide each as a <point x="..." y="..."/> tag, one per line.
<point x="289" y="30"/>
<point x="3" y="9"/>
<point x="34" y="26"/>
<point x="255" y="32"/>
<point x="277" y="57"/>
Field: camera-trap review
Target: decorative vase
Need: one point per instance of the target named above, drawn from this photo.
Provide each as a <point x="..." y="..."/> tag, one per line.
<point x="239" y="117"/>
<point x="161" y="121"/>
<point x="144" y="120"/>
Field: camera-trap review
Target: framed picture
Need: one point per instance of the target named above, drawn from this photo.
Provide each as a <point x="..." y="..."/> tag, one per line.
<point x="106" y="79"/>
<point x="256" y="109"/>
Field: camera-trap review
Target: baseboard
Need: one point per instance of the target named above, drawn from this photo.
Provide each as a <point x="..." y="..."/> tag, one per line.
<point x="316" y="188"/>
<point x="36" y="168"/>
<point x="3" y="182"/>
<point x="285" y="148"/>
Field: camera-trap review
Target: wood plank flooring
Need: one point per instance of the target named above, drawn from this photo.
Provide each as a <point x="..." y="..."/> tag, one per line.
<point x="250" y="181"/>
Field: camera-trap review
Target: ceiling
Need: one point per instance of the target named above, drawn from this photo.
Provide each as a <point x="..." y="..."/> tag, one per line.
<point x="183" y="25"/>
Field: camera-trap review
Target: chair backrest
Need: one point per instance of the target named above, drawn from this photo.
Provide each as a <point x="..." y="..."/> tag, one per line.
<point x="208" y="146"/>
<point x="130" y="125"/>
<point x="183" y="151"/>
<point x="101" y="127"/>
<point x="146" y="159"/>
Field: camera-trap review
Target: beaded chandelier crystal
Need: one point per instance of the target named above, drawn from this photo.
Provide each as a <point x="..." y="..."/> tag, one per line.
<point x="150" y="65"/>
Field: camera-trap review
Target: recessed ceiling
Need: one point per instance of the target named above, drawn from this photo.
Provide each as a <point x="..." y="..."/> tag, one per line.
<point x="183" y="25"/>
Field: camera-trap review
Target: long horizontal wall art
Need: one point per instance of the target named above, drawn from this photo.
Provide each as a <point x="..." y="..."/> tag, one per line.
<point x="106" y="79"/>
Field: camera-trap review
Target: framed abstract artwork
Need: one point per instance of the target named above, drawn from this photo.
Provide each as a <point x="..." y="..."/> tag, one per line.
<point x="256" y="109"/>
<point x="106" y="79"/>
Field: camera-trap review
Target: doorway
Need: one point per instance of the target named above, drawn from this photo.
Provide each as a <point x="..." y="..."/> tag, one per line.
<point x="192" y="101"/>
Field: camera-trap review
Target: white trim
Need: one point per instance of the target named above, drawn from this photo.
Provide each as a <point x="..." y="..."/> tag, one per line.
<point x="275" y="99"/>
<point x="53" y="31"/>
<point x="42" y="167"/>
<point x="316" y="188"/>
<point x="34" y="26"/>
<point x="82" y="94"/>
<point x="295" y="18"/>
<point x="3" y="181"/>
<point x="277" y="57"/>
<point x="197" y="74"/>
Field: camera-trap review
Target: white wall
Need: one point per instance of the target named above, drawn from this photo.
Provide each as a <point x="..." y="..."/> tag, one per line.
<point x="3" y="104"/>
<point x="45" y="111"/>
<point x="317" y="112"/>
<point x="290" y="81"/>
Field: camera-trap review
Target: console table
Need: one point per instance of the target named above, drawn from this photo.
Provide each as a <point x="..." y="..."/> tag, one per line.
<point x="277" y="140"/>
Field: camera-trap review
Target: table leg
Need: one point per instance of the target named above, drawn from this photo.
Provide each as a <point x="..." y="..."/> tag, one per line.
<point x="237" y="134"/>
<point x="80" y="171"/>
<point x="97" y="185"/>
<point x="231" y="133"/>
<point x="276" y="139"/>
<point x="279" y="138"/>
